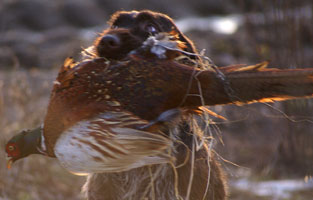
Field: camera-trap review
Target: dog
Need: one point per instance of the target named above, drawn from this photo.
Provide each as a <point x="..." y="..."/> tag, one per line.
<point x="128" y="30"/>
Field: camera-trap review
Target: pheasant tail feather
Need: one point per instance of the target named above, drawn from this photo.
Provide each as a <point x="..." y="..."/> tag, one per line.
<point x="256" y="84"/>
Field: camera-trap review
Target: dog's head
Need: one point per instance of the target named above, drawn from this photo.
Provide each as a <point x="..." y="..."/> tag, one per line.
<point x="128" y="31"/>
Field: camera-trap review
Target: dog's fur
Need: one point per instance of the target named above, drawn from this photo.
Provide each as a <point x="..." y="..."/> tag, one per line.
<point x="155" y="182"/>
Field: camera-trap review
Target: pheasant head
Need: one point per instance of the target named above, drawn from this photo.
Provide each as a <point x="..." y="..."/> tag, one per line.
<point x="23" y="144"/>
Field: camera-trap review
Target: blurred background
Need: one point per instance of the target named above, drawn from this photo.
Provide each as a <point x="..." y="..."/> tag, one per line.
<point x="270" y="145"/>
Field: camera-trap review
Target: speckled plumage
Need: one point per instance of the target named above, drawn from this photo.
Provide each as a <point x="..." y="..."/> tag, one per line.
<point x="147" y="88"/>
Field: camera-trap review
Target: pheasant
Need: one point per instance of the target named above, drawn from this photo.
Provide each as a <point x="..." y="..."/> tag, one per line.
<point x="100" y="111"/>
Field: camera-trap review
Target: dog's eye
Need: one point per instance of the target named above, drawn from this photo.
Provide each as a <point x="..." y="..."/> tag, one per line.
<point x="151" y="29"/>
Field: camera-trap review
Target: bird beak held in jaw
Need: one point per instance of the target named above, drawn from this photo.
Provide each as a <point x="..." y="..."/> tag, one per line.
<point x="9" y="162"/>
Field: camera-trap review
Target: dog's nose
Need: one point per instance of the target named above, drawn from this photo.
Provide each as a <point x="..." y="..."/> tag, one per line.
<point x="110" y="41"/>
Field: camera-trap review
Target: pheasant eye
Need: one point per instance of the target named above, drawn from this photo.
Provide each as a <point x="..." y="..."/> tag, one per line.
<point x="11" y="148"/>
<point x="151" y="29"/>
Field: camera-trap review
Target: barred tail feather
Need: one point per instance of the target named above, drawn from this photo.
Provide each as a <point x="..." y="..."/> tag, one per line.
<point x="269" y="85"/>
<point x="251" y="84"/>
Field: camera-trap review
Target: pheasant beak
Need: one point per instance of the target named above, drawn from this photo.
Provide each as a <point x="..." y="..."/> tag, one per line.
<point x="9" y="162"/>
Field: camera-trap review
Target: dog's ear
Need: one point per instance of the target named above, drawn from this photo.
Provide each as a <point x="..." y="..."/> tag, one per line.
<point x="123" y="19"/>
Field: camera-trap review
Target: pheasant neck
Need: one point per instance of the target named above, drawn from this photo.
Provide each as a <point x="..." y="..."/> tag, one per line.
<point x="32" y="142"/>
